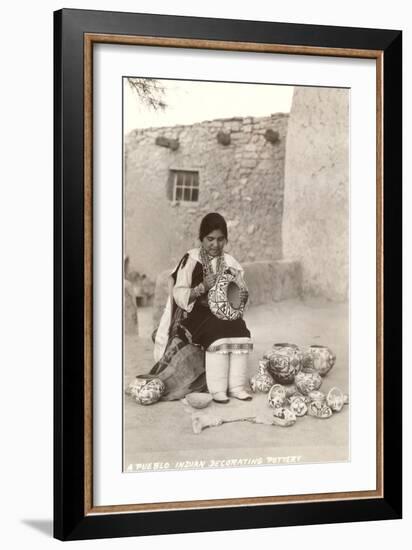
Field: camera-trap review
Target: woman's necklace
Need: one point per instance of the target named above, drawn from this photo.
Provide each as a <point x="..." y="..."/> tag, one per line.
<point x="206" y="260"/>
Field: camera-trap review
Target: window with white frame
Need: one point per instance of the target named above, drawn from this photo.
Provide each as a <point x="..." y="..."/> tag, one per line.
<point x="184" y="185"/>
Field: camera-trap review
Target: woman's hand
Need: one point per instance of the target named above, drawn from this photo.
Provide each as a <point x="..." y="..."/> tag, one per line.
<point x="209" y="281"/>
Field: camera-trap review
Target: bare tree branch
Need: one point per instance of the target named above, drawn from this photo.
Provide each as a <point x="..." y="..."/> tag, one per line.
<point x="149" y="91"/>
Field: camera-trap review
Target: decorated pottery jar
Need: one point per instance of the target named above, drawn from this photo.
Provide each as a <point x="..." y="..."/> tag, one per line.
<point x="335" y="399"/>
<point x="317" y="395"/>
<point x="150" y="392"/>
<point x="285" y="361"/>
<point x="276" y="396"/>
<point x="225" y="299"/>
<point x="263" y="367"/>
<point x="261" y="383"/>
<point x="319" y="410"/>
<point x="318" y="359"/>
<point x="307" y="382"/>
<point x="282" y="416"/>
<point x="298" y="405"/>
<point x="134" y="386"/>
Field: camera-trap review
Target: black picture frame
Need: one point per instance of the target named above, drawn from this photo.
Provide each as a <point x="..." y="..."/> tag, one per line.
<point x="72" y="519"/>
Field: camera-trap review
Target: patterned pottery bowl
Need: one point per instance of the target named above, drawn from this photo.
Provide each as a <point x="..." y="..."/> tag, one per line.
<point x="298" y="405"/>
<point x="319" y="410"/>
<point x="263" y="367"/>
<point x="276" y="396"/>
<point x="135" y="386"/>
<point x="150" y="392"/>
<point x="307" y="382"/>
<point x="224" y="298"/>
<point x="285" y="361"/>
<point x="282" y="416"/>
<point x="261" y="383"/>
<point x="318" y="359"/>
<point x="317" y="395"/>
<point x="335" y="399"/>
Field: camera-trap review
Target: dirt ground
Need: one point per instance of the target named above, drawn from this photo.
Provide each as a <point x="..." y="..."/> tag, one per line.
<point x="162" y="433"/>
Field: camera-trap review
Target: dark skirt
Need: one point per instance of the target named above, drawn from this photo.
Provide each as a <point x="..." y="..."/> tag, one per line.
<point x="205" y="328"/>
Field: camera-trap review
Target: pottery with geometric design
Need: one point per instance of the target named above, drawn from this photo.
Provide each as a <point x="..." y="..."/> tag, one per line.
<point x="150" y="392"/>
<point x="285" y="362"/>
<point x="276" y="396"/>
<point x="261" y="383"/>
<point x="225" y="299"/>
<point x="307" y="382"/>
<point x="318" y="359"/>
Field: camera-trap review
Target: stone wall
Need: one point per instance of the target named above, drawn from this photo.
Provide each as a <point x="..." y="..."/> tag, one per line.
<point x="316" y="202"/>
<point x="241" y="175"/>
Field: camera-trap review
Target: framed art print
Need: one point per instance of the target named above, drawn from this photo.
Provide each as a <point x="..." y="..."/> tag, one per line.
<point x="227" y="274"/>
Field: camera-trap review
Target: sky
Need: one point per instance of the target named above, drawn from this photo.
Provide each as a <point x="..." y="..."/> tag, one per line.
<point x="195" y="101"/>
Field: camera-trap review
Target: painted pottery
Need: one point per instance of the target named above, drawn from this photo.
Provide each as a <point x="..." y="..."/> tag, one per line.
<point x="319" y="410"/>
<point x="263" y="366"/>
<point x="225" y="299"/>
<point x="261" y="383"/>
<point x="307" y="382"/>
<point x="150" y="392"/>
<point x="298" y="405"/>
<point x="134" y="386"/>
<point x="318" y="359"/>
<point x="285" y="361"/>
<point x="317" y="395"/>
<point x="335" y="399"/>
<point x="283" y="416"/>
<point x="276" y="396"/>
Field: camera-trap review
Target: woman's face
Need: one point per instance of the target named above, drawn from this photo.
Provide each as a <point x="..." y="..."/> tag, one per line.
<point x="214" y="242"/>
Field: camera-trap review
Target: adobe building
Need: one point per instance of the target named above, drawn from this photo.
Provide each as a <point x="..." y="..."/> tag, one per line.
<point x="281" y="182"/>
<point x="315" y="227"/>
<point x="176" y="175"/>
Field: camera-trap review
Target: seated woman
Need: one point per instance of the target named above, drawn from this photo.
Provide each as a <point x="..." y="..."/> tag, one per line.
<point x="226" y="343"/>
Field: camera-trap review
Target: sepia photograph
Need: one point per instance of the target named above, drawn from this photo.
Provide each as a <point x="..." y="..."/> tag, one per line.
<point x="227" y="274"/>
<point x="236" y="262"/>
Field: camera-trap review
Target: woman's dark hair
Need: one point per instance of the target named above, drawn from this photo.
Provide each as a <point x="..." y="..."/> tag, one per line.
<point x="210" y="222"/>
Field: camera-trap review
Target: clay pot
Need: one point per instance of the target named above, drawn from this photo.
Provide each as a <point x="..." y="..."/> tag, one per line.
<point x="298" y="405"/>
<point x="224" y="298"/>
<point x="319" y="410"/>
<point x="150" y="392"/>
<point x="263" y="367"/>
<point x="134" y="386"/>
<point x="308" y="382"/>
<point x="285" y="361"/>
<point x="283" y="416"/>
<point x="198" y="400"/>
<point x="335" y="399"/>
<point x="276" y="396"/>
<point x="317" y="395"/>
<point x="318" y="359"/>
<point x="261" y="383"/>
